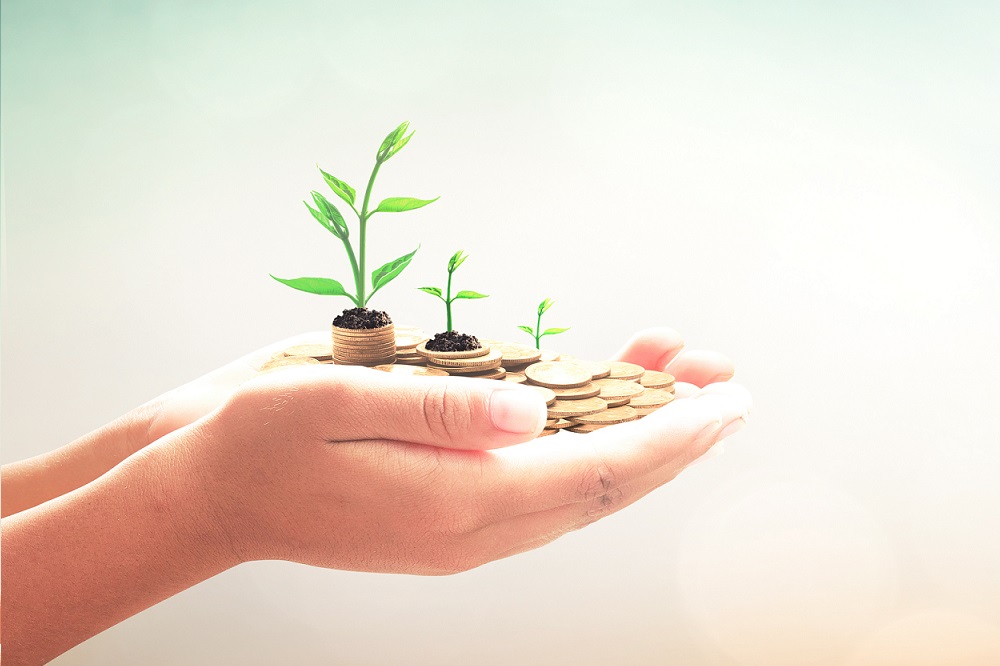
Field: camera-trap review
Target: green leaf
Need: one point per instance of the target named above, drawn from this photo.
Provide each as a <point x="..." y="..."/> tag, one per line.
<point x="469" y="294"/>
<point x="456" y="260"/>
<point x="322" y="219"/>
<point x="331" y="213"/>
<point x="544" y="306"/>
<point x="434" y="291"/>
<point x="553" y="331"/>
<point x="316" y="285"/>
<point x="390" y="140"/>
<point x="527" y="329"/>
<point x="401" y="204"/>
<point x="339" y="187"/>
<point x="386" y="273"/>
<point x="399" y="145"/>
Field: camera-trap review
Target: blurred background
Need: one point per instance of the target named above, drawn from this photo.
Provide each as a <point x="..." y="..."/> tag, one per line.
<point x="810" y="187"/>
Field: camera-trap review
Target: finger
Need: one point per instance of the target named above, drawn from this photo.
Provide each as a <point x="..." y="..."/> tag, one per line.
<point x="701" y="367"/>
<point x="652" y="348"/>
<point x="684" y="390"/>
<point x="552" y="471"/>
<point x="356" y="403"/>
<point x="534" y="529"/>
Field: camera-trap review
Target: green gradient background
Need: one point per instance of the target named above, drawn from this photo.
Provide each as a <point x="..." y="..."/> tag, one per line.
<point x="810" y="186"/>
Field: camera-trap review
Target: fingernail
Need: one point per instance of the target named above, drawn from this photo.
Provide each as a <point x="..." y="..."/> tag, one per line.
<point x="517" y="411"/>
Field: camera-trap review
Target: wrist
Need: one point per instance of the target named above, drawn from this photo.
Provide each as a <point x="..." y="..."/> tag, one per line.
<point x="192" y="503"/>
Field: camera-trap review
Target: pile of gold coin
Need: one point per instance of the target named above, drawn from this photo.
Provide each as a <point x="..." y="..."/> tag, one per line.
<point x="590" y="395"/>
<point x="582" y="396"/>
<point x="364" y="346"/>
<point x="483" y="363"/>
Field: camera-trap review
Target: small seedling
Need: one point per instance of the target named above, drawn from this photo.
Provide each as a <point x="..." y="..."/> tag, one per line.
<point x="456" y="260"/>
<point x="537" y="332"/>
<point x="331" y="220"/>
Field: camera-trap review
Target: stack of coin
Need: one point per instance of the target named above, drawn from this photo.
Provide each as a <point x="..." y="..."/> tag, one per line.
<point x="406" y="346"/>
<point x="482" y="363"/>
<point x="590" y="395"/>
<point x="364" y="346"/>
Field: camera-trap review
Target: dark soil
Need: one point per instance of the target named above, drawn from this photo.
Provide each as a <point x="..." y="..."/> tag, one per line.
<point x="453" y="341"/>
<point x="361" y="318"/>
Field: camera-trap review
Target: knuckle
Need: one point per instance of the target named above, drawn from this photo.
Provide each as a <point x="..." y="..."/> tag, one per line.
<point x="598" y="480"/>
<point x="445" y="411"/>
<point x="602" y="505"/>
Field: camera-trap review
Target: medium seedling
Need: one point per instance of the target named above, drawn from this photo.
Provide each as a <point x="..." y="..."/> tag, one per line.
<point x="537" y="332"/>
<point x="330" y="218"/>
<point x="456" y="260"/>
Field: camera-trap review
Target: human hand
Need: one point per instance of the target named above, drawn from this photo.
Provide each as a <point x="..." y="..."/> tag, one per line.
<point x="349" y="468"/>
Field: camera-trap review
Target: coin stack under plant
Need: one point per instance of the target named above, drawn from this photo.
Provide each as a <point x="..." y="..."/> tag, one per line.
<point x="590" y="395"/>
<point x="364" y="346"/>
<point x="482" y="363"/>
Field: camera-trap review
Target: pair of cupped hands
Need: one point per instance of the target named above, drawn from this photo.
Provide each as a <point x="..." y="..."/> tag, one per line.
<point x="352" y="468"/>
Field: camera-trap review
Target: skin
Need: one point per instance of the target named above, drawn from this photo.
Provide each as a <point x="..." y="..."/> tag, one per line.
<point x="290" y="465"/>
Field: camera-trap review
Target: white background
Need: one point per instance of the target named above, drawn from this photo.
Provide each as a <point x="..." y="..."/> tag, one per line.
<point x="809" y="187"/>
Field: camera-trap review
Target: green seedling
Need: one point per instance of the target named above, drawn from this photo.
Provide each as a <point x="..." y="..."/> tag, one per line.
<point x="330" y="218"/>
<point x="456" y="260"/>
<point x="537" y="332"/>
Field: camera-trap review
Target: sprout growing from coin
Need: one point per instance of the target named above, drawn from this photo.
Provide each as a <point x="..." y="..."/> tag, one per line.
<point x="537" y="332"/>
<point x="456" y="339"/>
<point x="331" y="219"/>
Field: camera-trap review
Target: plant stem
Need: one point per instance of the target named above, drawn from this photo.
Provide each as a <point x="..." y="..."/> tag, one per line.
<point x="538" y="332"/>
<point x="354" y="264"/>
<point x="359" y="280"/>
<point x="448" y="300"/>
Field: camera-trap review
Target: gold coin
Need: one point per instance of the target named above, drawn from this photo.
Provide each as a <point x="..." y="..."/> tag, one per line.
<point x="645" y="411"/>
<point x="286" y="362"/>
<point x="617" y="402"/>
<point x="615" y="389"/>
<point x="588" y="390"/>
<point x="556" y="374"/>
<point x="316" y="351"/>
<point x="585" y="428"/>
<point x="548" y="356"/>
<point x="651" y="397"/>
<point x="495" y="373"/>
<point x="408" y="340"/>
<point x="516" y="377"/>
<point x="489" y="359"/>
<point x="547" y="394"/>
<point x="374" y="353"/>
<point x="609" y="416"/>
<point x="471" y="353"/>
<point x="564" y="409"/>
<point x="514" y="354"/>
<point x="598" y="369"/>
<point x="625" y="371"/>
<point x="416" y="370"/>
<point x="463" y="371"/>
<point x="419" y="360"/>
<point x="654" y="379"/>
<point x="546" y="432"/>
<point x="560" y="424"/>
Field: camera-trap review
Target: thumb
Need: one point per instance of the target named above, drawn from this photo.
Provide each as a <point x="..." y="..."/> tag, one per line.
<point x="451" y="412"/>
